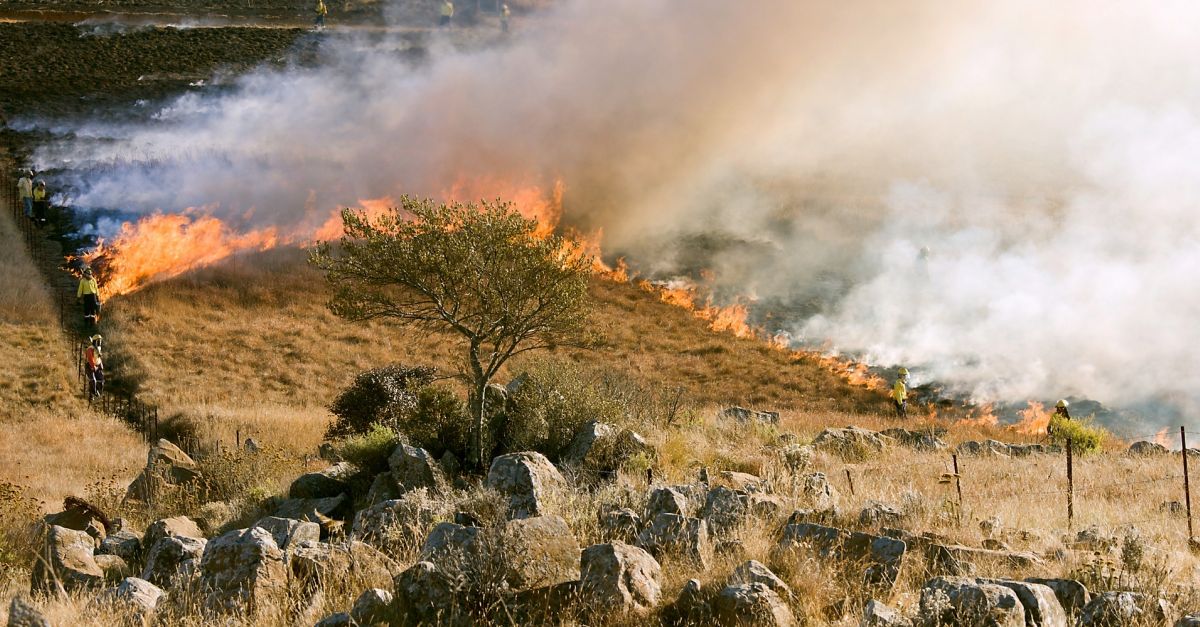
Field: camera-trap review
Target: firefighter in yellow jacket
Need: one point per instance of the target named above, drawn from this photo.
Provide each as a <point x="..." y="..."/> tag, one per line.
<point x="900" y="393"/>
<point x="321" y="11"/>
<point x="89" y="293"/>
<point x="447" y="13"/>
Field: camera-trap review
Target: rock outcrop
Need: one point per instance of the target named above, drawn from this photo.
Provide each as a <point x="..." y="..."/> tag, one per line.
<point x="527" y="479"/>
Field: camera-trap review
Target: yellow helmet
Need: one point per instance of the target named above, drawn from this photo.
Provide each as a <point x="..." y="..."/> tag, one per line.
<point x="97" y="337"/>
<point x="1062" y="404"/>
<point x="903" y="372"/>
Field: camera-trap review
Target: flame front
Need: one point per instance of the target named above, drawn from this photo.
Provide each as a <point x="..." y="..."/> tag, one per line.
<point x="1035" y="420"/>
<point x="1161" y="439"/>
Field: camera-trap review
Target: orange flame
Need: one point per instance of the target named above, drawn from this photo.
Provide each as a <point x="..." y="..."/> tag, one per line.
<point x="853" y="372"/>
<point x="1160" y="438"/>
<point x="1035" y="420"/>
<point x="981" y="417"/>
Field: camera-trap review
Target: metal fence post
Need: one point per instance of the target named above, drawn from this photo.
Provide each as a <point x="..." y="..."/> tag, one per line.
<point x="1187" y="486"/>
<point x="1070" y="485"/>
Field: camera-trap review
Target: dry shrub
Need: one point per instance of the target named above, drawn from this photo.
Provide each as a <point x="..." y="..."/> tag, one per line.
<point x="552" y="401"/>
<point x="386" y="396"/>
<point x="18" y="534"/>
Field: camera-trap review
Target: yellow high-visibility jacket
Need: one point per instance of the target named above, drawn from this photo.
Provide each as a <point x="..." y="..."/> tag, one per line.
<point x="448" y="9"/>
<point x="39" y="193"/>
<point x="87" y="286"/>
<point x="24" y="187"/>
<point x="321" y="9"/>
<point x="900" y="391"/>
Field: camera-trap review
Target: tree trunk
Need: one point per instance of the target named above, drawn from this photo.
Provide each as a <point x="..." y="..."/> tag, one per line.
<point x="479" y="411"/>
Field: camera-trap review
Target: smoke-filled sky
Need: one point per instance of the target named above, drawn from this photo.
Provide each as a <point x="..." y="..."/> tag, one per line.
<point x="1047" y="156"/>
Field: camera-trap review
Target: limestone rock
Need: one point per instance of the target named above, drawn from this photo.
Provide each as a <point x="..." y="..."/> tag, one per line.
<point x="690" y="608"/>
<point x="743" y="482"/>
<point x="882" y="556"/>
<point x="324" y="483"/>
<point x="414" y="468"/>
<point x="723" y="510"/>
<point x="66" y="563"/>
<point x="1116" y="609"/>
<point x="396" y="524"/>
<point x="620" y="524"/>
<point x="339" y="619"/>
<point x="1041" y="605"/>
<point x="754" y="571"/>
<point x="327" y="512"/>
<point x="178" y="526"/>
<point x="877" y="513"/>
<point x="451" y="547"/>
<point x="165" y="464"/>
<point x="527" y="479"/>
<point x="426" y="596"/>
<point x="917" y="440"/>
<point x="752" y="604"/>
<point x="125" y="544"/>
<point x="244" y="570"/>
<point x="318" y="564"/>
<point x="372" y="607"/>
<point x="114" y="568"/>
<point x="819" y="495"/>
<point x="1071" y="594"/>
<point x="539" y="552"/>
<point x="81" y="516"/>
<point x="963" y="601"/>
<point x="137" y="595"/>
<point x="383" y="488"/>
<point x="620" y="578"/>
<point x="850" y="442"/>
<point x="876" y="614"/>
<point x="22" y="613"/>
<point x="289" y="533"/>
<point x="172" y="559"/>
<point x="1143" y="448"/>
<point x="741" y="414"/>
<point x="675" y="534"/>
<point x="665" y="500"/>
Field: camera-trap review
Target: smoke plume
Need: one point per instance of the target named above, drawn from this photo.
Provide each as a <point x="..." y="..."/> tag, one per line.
<point x="998" y="195"/>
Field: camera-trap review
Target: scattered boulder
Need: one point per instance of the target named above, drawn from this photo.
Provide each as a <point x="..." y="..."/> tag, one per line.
<point x="178" y="526"/>
<point x="666" y="500"/>
<point x="819" y="496"/>
<point x="114" y="568"/>
<point x="764" y="505"/>
<point x="690" y="608"/>
<point x="372" y="607"/>
<point x="723" y="510"/>
<point x="137" y="595"/>
<point x="752" y="604"/>
<point x="289" y="533"/>
<point x="1092" y="538"/>
<point x="881" y="555"/>
<point x="383" y="488"/>
<point x="1116" y="609"/>
<point x="1071" y="594"/>
<point x="743" y="482"/>
<point x="754" y="571"/>
<point x="917" y="440"/>
<point x="395" y="524"/>
<point x="22" y="613"/>
<point x="590" y="437"/>
<point x="124" y="543"/>
<point x="1143" y="448"/>
<point x="338" y="619"/>
<point x="214" y="515"/>
<point x="244" y="570"/>
<point x="66" y="563"/>
<point x="955" y="559"/>
<point x="1191" y="620"/>
<point x="166" y="464"/>
<point x="619" y="578"/>
<point x="318" y="564"/>
<point x="850" y="443"/>
<point x="1025" y="450"/>
<point x="414" y="468"/>
<point x="620" y="524"/>
<point x="324" y="483"/>
<point x="962" y="601"/>
<point x="741" y="414"/>
<point x="987" y="447"/>
<point x="426" y="596"/>
<point x="173" y="559"/>
<point x="676" y="535"/>
<point x="876" y="614"/>
<point x="877" y="513"/>
<point x="796" y="457"/>
<point x="526" y="479"/>
<point x="539" y="552"/>
<point x="1040" y="602"/>
<point x="451" y="547"/>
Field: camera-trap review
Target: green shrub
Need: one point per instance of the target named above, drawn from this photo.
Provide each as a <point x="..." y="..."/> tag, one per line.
<point x="380" y="395"/>
<point x="552" y="400"/>
<point x="438" y="423"/>
<point x="370" y="451"/>
<point x="1085" y="435"/>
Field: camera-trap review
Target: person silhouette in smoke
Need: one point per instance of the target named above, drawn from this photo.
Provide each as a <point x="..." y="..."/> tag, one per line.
<point x="1060" y="413"/>
<point x="321" y="11"/>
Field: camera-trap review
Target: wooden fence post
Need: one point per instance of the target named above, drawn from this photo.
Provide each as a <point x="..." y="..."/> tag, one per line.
<point x="1187" y="486"/>
<point x="958" y="485"/>
<point x="1070" y="485"/>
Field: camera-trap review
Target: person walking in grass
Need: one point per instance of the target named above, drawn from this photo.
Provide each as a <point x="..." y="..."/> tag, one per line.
<point x="447" y="14"/>
<point x="93" y="362"/>
<point x="321" y="11"/>
<point x="25" y="192"/>
<point x="504" y="15"/>
<point x="89" y="293"/>
<point x="900" y="393"/>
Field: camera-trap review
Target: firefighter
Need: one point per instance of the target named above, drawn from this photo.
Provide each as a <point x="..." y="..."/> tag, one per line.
<point x="93" y="361"/>
<point x="900" y="393"/>
<point x="447" y="13"/>
<point x="39" y="202"/>
<point x="25" y="192"/>
<point x="504" y="15"/>
<point x="321" y="11"/>
<point x="89" y="293"/>
<point x="1060" y="413"/>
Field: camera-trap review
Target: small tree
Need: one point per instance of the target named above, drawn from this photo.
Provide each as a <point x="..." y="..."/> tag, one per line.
<point x="478" y="271"/>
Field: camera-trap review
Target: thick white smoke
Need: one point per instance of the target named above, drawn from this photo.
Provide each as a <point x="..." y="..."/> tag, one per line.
<point x="1046" y="155"/>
